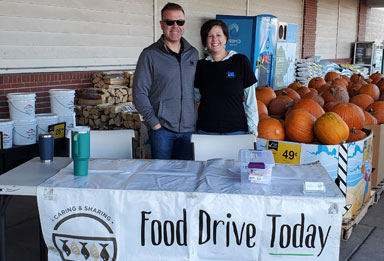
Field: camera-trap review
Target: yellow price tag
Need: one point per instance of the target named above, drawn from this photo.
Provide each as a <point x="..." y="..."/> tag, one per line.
<point x="58" y="130"/>
<point x="285" y="153"/>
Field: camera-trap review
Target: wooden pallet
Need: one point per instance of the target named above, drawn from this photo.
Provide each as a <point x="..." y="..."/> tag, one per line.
<point x="378" y="191"/>
<point x="348" y="225"/>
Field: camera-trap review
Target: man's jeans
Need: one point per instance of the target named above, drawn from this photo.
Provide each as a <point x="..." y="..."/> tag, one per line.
<point x="170" y="145"/>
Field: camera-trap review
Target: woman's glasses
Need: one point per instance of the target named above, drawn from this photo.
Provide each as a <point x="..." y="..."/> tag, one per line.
<point x="172" y="22"/>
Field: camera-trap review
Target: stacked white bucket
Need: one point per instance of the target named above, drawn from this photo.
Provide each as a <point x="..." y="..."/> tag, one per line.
<point x="62" y="104"/>
<point x="43" y="121"/>
<point x="6" y="127"/>
<point x="22" y="113"/>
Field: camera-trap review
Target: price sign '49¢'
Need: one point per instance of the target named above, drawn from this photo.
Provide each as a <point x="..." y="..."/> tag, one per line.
<point x="285" y="153"/>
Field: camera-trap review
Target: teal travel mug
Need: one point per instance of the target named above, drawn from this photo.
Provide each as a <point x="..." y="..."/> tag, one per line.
<point x="80" y="150"/>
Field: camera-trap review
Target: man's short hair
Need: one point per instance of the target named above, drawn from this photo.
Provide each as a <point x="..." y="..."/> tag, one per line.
<point x="207" y="26"/>
<point x="171" y="6"/>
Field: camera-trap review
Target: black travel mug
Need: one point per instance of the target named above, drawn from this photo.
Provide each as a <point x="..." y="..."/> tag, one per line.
<point x="46" y="147"/>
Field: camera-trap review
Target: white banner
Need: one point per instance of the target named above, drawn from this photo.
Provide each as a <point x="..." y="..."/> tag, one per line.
<point x="120" y="224"/>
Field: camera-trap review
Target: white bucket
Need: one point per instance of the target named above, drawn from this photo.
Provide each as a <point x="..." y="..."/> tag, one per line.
<point x="43" y="121"/>
<point x="25" y="132"/>
<point x="70" y="120"/>
<point x="21" y="105"/>
<point x="62" y="101"/>
<point x="6" y="127"/>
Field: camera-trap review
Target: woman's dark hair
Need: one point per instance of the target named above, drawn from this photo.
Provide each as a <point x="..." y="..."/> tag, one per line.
<point x="207" y="26"/>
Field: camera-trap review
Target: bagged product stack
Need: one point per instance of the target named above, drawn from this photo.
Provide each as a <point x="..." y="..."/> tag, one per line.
<point x="312" y="67"/>
<point x="302" y="71"/>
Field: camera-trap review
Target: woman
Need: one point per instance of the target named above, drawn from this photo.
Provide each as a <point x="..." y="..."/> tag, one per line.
<point x="222" y="79"/>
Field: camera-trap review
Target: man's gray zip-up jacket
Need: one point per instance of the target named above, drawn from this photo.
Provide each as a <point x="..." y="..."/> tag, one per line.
<point x="163" y="87"/>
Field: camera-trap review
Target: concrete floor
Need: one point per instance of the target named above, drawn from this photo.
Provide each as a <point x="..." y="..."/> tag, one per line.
<point x="366" y="242"/>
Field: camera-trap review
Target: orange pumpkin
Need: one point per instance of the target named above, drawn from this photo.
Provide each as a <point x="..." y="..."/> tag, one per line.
<point x="314" y="96"/>
<point x="376" y="77"/>
<point x="352" y="114"/>
<point x="265" y="94"/>
<point x="270" y="129"/>
<point x="295" y="85"/>
<point x="377" y="111"/>
<point x="331" y="129"/>
<point x="303" y="90"/>
<point x="261" y="108"/>
<point x="289" y="92"/>
<point x="299" y="126"/>
<point x="371" y="89"/>
<point x="329" y="106"/>
<point x="380" y="84"/>
<point x="369" y="119"/>
<point x="355" y="135"/>
<point x="316" y="83"/>
<point x="335" y="93"/>
<point x="341" y="82"/>
<point x="324" y="87"/>
<point x="330" y="76"/>
<point x="263" y="116"/>
<point x="357" y="77"/>
<point x="354" y="89"/>
<point x="311" y="106"/>
<point x="313" y="90"/>
<point x="278" y="106"/>
<point x="346" y="78"/>
<point x="362" y="100"/>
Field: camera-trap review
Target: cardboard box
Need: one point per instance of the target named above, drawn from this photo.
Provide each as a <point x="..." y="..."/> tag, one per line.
<point x="353" y="159"/>
<point x="378" y="152"/>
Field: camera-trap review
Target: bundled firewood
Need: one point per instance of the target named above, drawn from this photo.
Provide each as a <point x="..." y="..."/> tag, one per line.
<point x="106" y="79"/>
<point x="108" y="117"/>
<point x="113" y="95"/>
<point x="112" y="117"/>
<point x="108" y="88"/>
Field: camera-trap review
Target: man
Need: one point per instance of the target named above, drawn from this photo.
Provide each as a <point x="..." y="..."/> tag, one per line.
<point x="163" y="88"/>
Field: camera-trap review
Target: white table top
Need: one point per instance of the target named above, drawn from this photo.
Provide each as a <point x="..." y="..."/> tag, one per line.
<point x="194" y="176"/>
<point x="213" y="176"/>
<point x="24" y="179"/>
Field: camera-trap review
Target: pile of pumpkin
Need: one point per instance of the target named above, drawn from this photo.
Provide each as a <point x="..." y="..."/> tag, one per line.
<point x="329" y="111"/>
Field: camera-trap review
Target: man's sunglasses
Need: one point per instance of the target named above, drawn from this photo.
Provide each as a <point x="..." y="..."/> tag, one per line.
<point x="172" y="22"/>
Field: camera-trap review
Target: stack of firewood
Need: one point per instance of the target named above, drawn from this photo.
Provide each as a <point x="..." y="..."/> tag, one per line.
<point x="111" y="117"/>
<point x="107" y="79"/>
<point x="108" y="88"/>
<point x="108" y="117"/>
<point x="108" y="106"/>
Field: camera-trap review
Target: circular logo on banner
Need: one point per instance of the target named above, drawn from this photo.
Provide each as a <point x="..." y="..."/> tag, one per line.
<point x="233" y="30"/>
<point x="93" y="239"/>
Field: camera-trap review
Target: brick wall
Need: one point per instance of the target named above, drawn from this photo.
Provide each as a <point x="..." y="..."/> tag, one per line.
<point x="309" y="28"/>
<point x="40" y="83"/>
